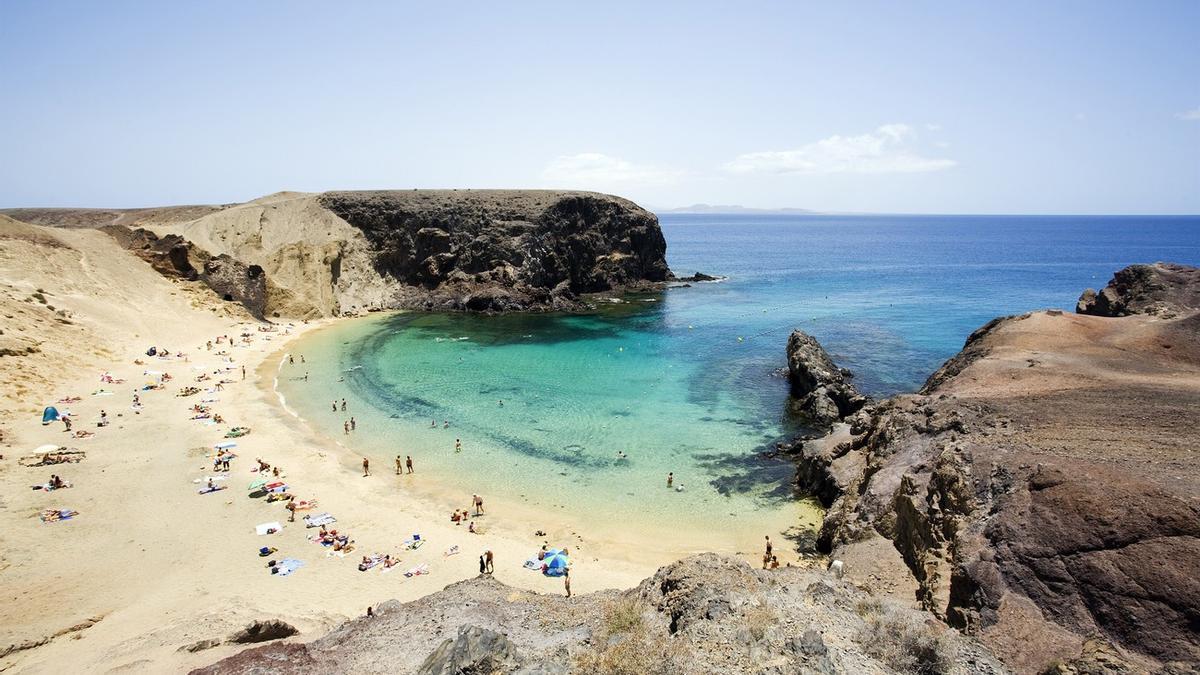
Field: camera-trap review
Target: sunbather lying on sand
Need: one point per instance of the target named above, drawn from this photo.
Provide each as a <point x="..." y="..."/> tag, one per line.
<point x="55" y="515"/>
<point x="82" y="433"/>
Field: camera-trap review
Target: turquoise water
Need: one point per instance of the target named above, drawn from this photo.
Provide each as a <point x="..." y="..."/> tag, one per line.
<point x="688" y="381"/>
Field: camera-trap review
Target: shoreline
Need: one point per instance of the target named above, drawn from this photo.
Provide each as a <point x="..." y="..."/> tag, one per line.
<point x="139" y="511"/>
<point x="438" y="495"/>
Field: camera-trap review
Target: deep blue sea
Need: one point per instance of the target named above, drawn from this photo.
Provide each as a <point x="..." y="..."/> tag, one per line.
<point x="688" y="381"/>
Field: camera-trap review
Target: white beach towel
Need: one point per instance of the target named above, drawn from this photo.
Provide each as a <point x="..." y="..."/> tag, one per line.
<point x="268" y="528"/>
<point x="319" y="520"/>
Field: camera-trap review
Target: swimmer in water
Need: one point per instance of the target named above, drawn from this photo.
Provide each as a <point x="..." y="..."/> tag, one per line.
<point x="670" y="479"/>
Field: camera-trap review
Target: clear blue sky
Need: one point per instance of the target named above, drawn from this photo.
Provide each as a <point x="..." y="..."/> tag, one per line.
<point x="954" y="107"/>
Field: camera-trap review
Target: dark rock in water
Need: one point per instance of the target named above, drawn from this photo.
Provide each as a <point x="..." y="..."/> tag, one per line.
<point x="823" y="391"/>
<point x="504" y="250"/>
<point x="1162" y="289"/>
<point x="701" y="276"/>
<point x="263" y="631"/>
<point x="475" y="650"/>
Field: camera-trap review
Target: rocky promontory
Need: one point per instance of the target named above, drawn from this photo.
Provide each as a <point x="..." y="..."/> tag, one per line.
<point x="310" y="255"/>
<point x="1040" y="490"/>
<point x="822" y="392"/>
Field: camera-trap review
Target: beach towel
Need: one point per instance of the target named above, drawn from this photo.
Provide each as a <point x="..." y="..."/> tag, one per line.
<point x="287" y="566"/>
<point x="268" y="528"/>
<point x="412" y="543"/>
<point x="305" y="505"/>
<point x="208" y="478"/>
<point x="371" y="562"/>
<point x="56" y="515"/>
<point x="279" y="488"/>
<point x="319" y="520"/>
<point x="417" y="571"/>
<point x="453" y="550"/>
<point x="533" y="564"/>
<point x="216" y="488"/>
<point x="225" y="446"/>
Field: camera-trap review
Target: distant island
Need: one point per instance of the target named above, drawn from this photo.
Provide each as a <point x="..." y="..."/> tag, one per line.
<point x="732" y="209"/>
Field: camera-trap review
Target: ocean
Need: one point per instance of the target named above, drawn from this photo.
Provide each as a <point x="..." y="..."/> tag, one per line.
<point x="690" y="381"/>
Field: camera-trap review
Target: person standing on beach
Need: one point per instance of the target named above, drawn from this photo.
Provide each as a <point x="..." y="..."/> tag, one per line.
<point x="343" y="405"/>
<point x="366" y="467"/>
<point x="291" y="507"/>
<point x="458" y="445"/>
<point x="346" y="427"/>
<point x="397" y="465"/>
<point x="767" y="554"/>
<point x="478" y="505"/>
<point x="567" y="581"/>
<point x="243" y="372"/>
<point x="487" y="556"/>
<point x="353" y="424"/>
<point x="66" y="420"/>
<point x="408" y="463"/>
<point x="670" y="478"/>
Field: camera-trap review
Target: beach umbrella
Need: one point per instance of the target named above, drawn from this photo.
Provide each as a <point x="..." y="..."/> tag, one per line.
<point x="256" y="485"/>
<point x="556" y="563"/>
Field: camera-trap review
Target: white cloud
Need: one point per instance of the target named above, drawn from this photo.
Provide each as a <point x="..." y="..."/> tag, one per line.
<point x="888" y="149"/>
<point x="1190" y="115"/>
<point x="593" y="169"/>
<point x="933" y="127"/>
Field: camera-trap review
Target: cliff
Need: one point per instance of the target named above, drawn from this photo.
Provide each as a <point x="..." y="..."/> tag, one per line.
<point x="312" y="255"/>
<point x="1040" y="490"/>
<point x="703" y="614"/>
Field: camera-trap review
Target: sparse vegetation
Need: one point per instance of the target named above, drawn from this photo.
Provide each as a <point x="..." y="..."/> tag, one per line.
<point x="623" y="615"/>
<point x="759" y="619"/>
<point x="625" y="645"/>
<point x="902" y="640"/>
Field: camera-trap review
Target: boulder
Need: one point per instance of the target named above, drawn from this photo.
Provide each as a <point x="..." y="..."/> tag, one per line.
<point x="476" y="651"/>
<point x="263" y="631"/>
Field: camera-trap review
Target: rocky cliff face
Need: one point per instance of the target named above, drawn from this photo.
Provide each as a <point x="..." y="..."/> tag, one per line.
<point x="1040" y="488"/>
<point x="704" y="614"/>
<point x="504" y="250"/>
<point x="346" y="252"/>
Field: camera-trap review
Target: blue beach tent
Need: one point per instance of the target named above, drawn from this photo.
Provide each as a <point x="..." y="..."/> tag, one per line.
<point x="50" y="414"/>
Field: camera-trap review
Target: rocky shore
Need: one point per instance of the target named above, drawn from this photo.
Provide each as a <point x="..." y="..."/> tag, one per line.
<point x="1040" y="491"/>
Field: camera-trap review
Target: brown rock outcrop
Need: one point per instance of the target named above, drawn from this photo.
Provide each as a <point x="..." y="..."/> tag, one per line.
<point x="1167" y="290"/>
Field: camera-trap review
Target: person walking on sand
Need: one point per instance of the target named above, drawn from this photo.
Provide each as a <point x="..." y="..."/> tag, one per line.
<point x="397" y="465"/>
<point x="353" y="424"/>
<point x="478" y="505"/>
<point x="408" y="463"/>
<point x="670" y="478"/>
<point x="346" y="427"/>
<point x="567" y="581"/>
<point x="243" y="372"/>
<point x="291" y="507"/>
<point x="366" y="467"/>
<point x="487" y="556"/>
<point x="767" y="554"/>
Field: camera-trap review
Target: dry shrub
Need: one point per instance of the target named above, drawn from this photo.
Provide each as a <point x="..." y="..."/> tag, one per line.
<point x="759" y="619"/>
<point x="623" y="615"/>
<point x="625" y="645"/>
<point x="903" y="641"/>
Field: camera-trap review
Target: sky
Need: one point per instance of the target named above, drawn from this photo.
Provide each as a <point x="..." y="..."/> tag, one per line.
<point x="951" y="107"/>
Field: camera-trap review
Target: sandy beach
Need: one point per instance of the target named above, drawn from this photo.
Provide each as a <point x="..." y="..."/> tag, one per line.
<point x="149" y="565"/>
